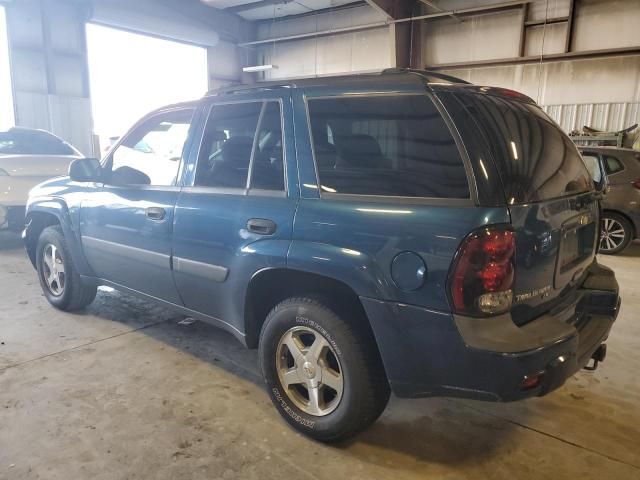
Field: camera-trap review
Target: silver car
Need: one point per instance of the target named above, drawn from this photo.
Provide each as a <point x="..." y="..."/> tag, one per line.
<point x="621" y="205"/>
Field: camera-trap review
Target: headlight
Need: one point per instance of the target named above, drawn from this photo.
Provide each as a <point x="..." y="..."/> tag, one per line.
<point x="3" y="173"/>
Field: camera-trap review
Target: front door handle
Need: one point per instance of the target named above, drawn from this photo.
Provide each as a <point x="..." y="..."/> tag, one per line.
<point x="261" y="226"/>
<point x="155" y="213"/>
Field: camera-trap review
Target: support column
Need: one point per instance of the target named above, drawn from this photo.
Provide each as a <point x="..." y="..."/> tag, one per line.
<point x="49" y="68"/>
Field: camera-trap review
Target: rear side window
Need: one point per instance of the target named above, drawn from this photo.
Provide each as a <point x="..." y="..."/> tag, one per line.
<point x="612" y="165"/>
<point x="239" y="137"/>
<point x="536" y="161"/>
<point x="393" y="145"/>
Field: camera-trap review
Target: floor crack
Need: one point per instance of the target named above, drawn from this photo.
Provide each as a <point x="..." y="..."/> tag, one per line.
<point x="14" y="365"/>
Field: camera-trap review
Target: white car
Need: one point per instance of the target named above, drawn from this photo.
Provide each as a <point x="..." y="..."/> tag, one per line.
<point x="28" y="157"/>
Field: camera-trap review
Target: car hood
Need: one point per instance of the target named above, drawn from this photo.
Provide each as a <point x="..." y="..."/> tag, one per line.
<point x="54" y="187"/>
<point x="36" y="165"/>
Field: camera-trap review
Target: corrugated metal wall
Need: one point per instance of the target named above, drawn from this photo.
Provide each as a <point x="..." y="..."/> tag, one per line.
<point x="602" y="116"/>
<point x="360" y="51"/>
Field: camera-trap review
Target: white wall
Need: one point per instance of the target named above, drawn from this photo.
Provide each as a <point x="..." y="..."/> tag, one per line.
<point x="615" y="79"/>
<point x="6" y="97"/>
<point x="607" y="24"/>
<point x="49" y="77"/>
<point x="359" y="51"/>
<point x="481" y="37"/>
<point x="603" y="91"/>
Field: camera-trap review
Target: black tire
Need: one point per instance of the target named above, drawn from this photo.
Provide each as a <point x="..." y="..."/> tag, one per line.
<point x="365" y="390"/>
<point x="611" y="243"/>
<point x="75" y="294"/>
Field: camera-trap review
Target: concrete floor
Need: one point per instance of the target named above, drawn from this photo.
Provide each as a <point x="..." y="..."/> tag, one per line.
<point x="123" y="391"/>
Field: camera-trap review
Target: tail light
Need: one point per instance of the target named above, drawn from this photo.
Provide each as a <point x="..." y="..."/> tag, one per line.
<point x="636" y="183"/>
<point x="483" y="273"/>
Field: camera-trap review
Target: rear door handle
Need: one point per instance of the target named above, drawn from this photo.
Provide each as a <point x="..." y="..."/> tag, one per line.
<point x="261" y="226"/>
<point x="155" y="213"/>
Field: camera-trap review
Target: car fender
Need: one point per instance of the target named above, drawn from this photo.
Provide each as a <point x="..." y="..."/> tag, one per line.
<point x="69" y="222"/>
<point x="355" y="269"/>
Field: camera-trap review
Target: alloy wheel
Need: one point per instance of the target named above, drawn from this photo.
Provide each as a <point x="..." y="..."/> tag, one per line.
<point x="309" y="371"/>
<point x="612" y="235"/>
<point x="53" y="270"/>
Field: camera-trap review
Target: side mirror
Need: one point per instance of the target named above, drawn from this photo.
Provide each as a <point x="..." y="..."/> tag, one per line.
<point x="85" y="170"/>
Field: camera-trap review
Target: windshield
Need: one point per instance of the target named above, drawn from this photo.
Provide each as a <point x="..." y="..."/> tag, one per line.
<point x="18" y="142"/>
<point x="534" y="157"/>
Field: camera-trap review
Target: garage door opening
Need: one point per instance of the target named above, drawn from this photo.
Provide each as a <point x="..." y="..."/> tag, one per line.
<point x="6" y="98"/>
<point x="132" y="74"/>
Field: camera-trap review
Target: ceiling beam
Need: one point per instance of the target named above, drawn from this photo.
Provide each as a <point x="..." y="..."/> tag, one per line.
<point x="438" y="9"/>
<point x="388" y="8"/>
<point x="255" y="4"/>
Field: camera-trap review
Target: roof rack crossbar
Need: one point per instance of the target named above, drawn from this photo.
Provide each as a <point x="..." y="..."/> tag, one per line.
<point x="427" y="73"/>
<point x="240" y="87"/>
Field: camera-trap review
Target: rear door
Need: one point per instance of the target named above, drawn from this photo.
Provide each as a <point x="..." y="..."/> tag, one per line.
<point x="389" y="199"/>
<point x="550" y="197"/>
<point x="234" y="216"/>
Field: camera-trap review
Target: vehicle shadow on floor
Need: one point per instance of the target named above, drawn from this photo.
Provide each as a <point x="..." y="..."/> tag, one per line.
<point x="632" y="250"/>
<point x="428" y="430"/>
<point x="436" y="430"/>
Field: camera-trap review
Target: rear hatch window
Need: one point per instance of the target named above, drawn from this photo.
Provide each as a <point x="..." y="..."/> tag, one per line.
<point x="536" y="161"/>
<point x="549" y="194"/>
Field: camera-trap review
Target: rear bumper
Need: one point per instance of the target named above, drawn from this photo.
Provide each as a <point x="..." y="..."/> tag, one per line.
<point x="428" y="353"/>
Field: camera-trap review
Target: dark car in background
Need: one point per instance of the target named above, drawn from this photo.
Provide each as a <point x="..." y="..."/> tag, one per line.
<point x="620" y="222"/>
<point x="403" y="231"/>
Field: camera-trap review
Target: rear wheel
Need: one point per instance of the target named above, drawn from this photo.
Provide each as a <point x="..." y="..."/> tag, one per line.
<point x="616" y="233"/>
<point x="324" y="374"/>
<point x="59" y="279"/>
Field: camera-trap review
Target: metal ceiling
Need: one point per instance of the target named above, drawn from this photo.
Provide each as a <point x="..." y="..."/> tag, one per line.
<point x="267" y="9"/>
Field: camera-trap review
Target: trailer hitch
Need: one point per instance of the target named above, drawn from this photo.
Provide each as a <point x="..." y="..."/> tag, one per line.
<point x="598" y="356"/>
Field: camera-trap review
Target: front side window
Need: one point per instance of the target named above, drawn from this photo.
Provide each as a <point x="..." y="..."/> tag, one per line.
<point x="392" y="145"/>
<point x="238" y="137"/>
<point x="151" y="154"/>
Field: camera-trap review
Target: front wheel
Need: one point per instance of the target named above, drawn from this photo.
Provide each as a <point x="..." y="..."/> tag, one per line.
<point x="60" y="282"/>
<point x="324" y="374"/>
<point x="616" y="233"/>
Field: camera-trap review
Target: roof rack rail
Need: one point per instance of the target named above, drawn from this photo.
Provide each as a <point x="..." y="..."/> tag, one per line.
<point x="427" y="73"/>
<point x="241" y="87"/>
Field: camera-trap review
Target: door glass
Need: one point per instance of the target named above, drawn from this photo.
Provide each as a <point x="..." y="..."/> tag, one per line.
<point x="612" y="165"/>
<point x="591" y="161"/>
<point x="268" y="166"/>
<point x="225" y="153"/>
<point x="394" y="145"/>
<point x="151" y="154"/>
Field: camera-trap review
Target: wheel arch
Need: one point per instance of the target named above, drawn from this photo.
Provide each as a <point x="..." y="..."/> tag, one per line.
<point x="270" y="286"/>
<point x="44" y="213"/>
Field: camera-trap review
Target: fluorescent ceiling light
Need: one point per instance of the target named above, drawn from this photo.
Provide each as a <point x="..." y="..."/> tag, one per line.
<point x="258" y="68"/>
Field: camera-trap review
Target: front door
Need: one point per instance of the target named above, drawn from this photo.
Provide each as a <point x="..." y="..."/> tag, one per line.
<point x="127" y="226"/>
<point x="236" y="216"/>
